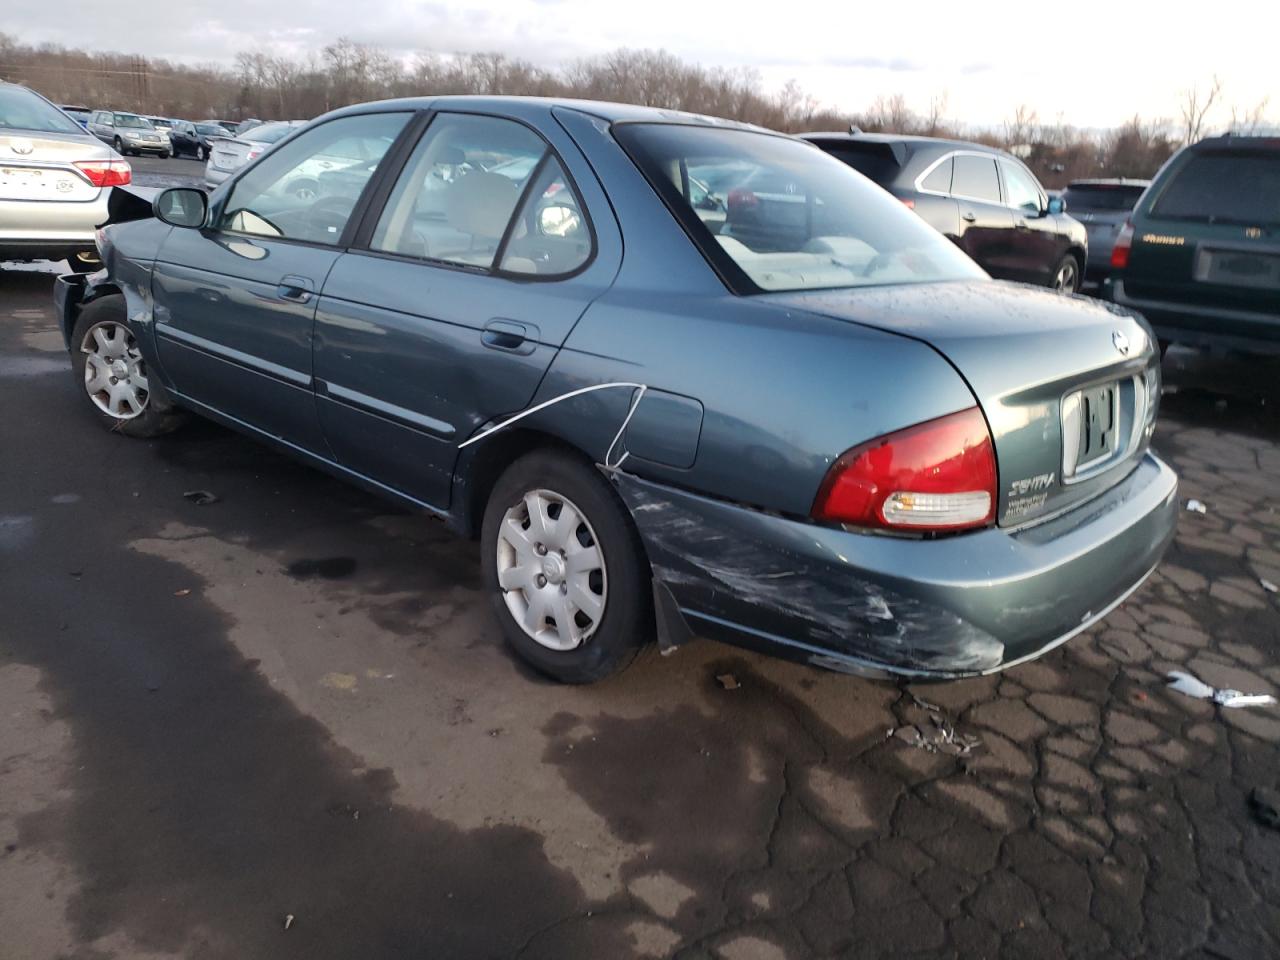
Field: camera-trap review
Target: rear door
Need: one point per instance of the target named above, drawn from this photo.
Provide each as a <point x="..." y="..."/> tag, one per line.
<point x="1208" y="233"/>
<point x="478" y="264"/>
<point x="986" y="224"/>
<point x="235" y="302"/>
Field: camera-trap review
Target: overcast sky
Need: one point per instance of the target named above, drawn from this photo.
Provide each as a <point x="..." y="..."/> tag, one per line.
<point x="1096" y="63"/>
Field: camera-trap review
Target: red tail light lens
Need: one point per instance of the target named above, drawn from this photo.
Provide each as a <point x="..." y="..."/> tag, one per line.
<point x="1120" y="252"/>
<point x="106" y="173"/>
<point x="740" y="199"/>
<point x="908" y="203"/>
<point x="938" y="475"/>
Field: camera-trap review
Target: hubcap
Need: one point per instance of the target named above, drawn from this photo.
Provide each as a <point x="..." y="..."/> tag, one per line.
<point x="115" y="376"/>
<point x="551" y="570"/>
<point x="1066" y="278"/>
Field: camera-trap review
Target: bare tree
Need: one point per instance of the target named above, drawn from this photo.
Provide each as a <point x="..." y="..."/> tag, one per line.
<point x="1022" y="128"/>
<point x="1249" y="120"/>
<point x="1195" y="107"/>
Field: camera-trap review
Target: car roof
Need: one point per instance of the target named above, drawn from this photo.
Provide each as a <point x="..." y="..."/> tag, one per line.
<point x="1110" y="182"/>
<point x="530" y="106"/>
<point x="1270" y="138"/>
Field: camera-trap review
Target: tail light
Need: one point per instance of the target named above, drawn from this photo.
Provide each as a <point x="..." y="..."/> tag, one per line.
<point x="740" y="199"/>
<point x="908" y="203"/>
<point x="254" y="154"/>
<point x="106" y="173"/>
<point x="936" y="476"/>
<point x="1120" y="252"/>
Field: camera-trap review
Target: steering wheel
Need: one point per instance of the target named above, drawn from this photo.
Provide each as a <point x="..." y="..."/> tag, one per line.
<point x="328" y="215"/>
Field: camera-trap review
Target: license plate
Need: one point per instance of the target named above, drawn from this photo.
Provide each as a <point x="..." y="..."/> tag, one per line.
<point x="1239" y="268"/>
<point x="1090" y="428"/>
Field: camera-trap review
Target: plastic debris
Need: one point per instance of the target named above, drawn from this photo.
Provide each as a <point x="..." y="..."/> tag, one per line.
<point x="1191" y="686"/>
<point x="201" y="498"/>
<point x="938" y="736"/>
<point x="184" y="592"/>
<point x="1265" y="804"/>
<point x="288" y="920"/>
<point x="1196" y="506"/>
<point x="728" y="681"/>
<point x="1268" y="586"/>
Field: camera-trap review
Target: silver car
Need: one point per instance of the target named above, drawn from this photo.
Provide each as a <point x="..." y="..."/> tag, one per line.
<point x="129" y="133"/>
<point x="1103" y="206"/>
<point x="228" y="155"/>
<point x="54" y="181"/>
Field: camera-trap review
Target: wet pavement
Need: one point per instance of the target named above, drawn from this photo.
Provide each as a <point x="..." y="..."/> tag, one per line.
<point x="292" y="703"/>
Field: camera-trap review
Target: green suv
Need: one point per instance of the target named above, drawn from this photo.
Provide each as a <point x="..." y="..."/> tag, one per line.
<point x="1200" y="256"/>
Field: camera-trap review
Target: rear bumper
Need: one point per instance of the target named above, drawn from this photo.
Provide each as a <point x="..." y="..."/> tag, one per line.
<point x="953" y="607"/>
<point x="47" y="229"/>
<point x="214" y="177"/>
<point x="1195" y="324"/>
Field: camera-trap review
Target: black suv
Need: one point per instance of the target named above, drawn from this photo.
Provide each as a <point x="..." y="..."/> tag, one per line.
<point x="985" y="200"/>
<point x="1200" y="256"/>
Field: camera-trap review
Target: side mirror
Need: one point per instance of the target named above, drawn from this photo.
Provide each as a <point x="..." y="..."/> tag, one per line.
<point x="181" y="207"/>
<point x="1057" y="205"/>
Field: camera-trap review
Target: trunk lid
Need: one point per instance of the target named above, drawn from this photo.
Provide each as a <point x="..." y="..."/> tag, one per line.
<point x="38" y="166"/>
<point x="228" y="155"/>
<point x="1069" y="386"/>
<point x="1209" y="231"/>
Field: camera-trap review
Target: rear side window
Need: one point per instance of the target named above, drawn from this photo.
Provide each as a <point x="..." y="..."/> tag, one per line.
<point x="456" y="201"/>
<point x="20" y="109"/>
<point x="975" y="178"/>
<point x="1102" y="197"/>
<point x="298" y="192"/>
<point x="939" y="178"/>
<point x="1223" y="186"/>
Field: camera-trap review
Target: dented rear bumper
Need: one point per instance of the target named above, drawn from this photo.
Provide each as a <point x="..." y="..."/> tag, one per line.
<point x="951" y="607"/>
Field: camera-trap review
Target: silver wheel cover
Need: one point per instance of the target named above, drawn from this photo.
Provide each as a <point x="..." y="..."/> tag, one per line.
<point x="551" y="570"/>
<point x="115" y="375"/>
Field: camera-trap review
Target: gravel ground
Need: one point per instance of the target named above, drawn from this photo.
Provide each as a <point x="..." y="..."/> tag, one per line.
<point x="292" y="703"/>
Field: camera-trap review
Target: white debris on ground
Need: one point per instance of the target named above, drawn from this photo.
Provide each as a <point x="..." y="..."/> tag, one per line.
<point x="1191" y="686"/>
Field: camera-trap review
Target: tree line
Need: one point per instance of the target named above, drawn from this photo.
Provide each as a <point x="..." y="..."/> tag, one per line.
<point x="273" y="87"/>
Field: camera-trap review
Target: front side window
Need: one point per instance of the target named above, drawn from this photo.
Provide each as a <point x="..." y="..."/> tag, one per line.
<point x="1019" y="187"/>
<point x="21" y="109"/>
<point x="459" y="190"/>
<point x="975" y="178"/>
<point x="786" y="216"/>
<point x="298" y="192"/>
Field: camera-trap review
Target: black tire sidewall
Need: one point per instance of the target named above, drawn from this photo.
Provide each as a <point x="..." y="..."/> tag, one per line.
<point x="159" y="417"/>
<point x="628" y="617"/>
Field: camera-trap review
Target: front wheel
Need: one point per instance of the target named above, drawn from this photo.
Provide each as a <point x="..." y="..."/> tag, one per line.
<point x="113" y="374"/>
<point x="1066" y="278"/>
<point x="119" y="147"/>
<point x="564" y="568"/>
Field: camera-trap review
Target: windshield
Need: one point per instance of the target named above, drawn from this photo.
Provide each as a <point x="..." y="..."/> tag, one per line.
<point x="268" y="132"/>
<point x="131" y="121"/>
<point x="1102" y="197"/>
<point x="1224" y="186"/>
<point x="20" y="109"/>
<point x="785" y="214"/>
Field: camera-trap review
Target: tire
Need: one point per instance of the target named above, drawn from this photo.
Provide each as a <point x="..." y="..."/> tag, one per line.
<point x="593" y="647"/>
<point x="118" y="144"/>
<point x="1066" y="275"/>
<point x="143" y="411"/>
<point x="164" y="155"/>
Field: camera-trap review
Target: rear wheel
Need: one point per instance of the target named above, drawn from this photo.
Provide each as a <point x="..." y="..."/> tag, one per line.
<point x="1066" y="277"/>
<point x="564" y="568"/>
<point x="113" y="374"/>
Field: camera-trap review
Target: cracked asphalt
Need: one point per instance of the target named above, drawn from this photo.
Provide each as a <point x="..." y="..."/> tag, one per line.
<point x="282" y="725"/>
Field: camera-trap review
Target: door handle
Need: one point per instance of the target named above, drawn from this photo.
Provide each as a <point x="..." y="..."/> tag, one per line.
<point x="1023" y="225"/>
<point x="294" y="289"/>
<point x="509" y="336"/>
<point x="969" y="217"/>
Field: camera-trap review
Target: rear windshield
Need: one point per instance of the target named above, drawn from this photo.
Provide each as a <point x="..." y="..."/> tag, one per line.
<point x="20" y="109"/>
<point x="1223" y="186"/>
<point x="1102" y="197"/>
<point x="785" y="216"/>
<point x="211" y="129"/>
<point x="873" y="162"/>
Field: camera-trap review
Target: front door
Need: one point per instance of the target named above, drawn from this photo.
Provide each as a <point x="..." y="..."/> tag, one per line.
<point x="235" y="302"/>
<point x="986" y="224"/>
<point x="1037" y="247"/>
<point x="474" y="273"/>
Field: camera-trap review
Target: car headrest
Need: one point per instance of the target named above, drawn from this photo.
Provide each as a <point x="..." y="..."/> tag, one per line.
<point x="481" y="203"/>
